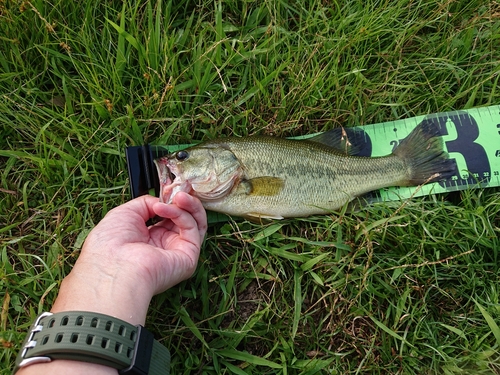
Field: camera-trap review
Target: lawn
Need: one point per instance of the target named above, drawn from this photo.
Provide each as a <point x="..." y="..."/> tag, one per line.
<point x="370" y="292"/>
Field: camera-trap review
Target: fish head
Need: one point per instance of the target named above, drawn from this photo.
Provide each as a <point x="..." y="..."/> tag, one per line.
<point x="208" y="172"/>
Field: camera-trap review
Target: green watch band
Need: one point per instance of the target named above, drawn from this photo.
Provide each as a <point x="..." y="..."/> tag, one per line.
<point x="96" y="338"/>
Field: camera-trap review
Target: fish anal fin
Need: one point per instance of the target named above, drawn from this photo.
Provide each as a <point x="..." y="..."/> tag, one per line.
<point x="265" y="186"/>
<point x="360" y="202"/>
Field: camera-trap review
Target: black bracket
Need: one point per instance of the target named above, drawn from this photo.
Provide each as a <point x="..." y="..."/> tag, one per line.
<point x="142" y="172"/>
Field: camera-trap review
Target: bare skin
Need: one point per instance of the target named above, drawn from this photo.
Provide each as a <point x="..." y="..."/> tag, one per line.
<point x="124" y="263"/>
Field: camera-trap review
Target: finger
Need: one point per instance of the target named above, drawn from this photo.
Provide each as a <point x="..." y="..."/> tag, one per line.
<point x="191" y="205"/>
<point x="127" y="222"/>
<point x="195" y="208"/>
<point x="183" y="221"/>
<point x="141" y="206"/>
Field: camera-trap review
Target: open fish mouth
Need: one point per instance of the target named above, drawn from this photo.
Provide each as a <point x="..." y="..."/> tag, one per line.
<point x="165" y="176"/>
<point x="170" y="177"/>
<point x="170" y="184"/>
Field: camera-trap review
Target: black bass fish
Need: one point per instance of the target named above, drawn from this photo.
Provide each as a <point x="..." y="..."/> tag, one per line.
<point x="262" y="177"/>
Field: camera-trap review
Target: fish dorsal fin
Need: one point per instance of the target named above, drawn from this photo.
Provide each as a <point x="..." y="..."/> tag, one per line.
<point x="266" y="185"/>
<point x="346" y="140"/>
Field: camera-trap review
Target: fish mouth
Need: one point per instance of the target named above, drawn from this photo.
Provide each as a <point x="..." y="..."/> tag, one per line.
<point x="165" y="176"/>
<point x="170" y="176"/>
<point x="170" y="183"/>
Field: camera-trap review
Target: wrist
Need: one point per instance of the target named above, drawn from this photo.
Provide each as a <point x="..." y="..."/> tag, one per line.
<point x="88" y="288"/>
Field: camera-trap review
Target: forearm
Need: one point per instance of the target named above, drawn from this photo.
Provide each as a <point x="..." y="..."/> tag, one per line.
<point x="84" y="291"/>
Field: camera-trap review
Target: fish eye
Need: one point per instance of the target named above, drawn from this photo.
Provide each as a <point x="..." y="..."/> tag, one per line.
<point x="182" y="155"/>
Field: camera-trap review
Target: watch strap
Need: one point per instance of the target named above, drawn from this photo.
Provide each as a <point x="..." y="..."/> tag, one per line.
<point x="95" y="338"/>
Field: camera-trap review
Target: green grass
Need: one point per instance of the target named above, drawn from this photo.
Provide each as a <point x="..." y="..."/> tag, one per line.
<point x="418" y="293"/>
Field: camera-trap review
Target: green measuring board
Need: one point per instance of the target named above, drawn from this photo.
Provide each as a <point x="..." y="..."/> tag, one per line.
<point x="471" y="137"/>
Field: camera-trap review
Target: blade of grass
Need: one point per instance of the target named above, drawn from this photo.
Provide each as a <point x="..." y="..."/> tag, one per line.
<point x="247" y="357"/>
<point x="297" y="298"/>
<point x="192" y="326"/>
<point x="390" y="331"/>
<point x="491" y="322"/>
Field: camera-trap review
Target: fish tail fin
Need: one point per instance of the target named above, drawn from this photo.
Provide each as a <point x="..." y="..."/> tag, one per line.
<point x="424" y="155"/>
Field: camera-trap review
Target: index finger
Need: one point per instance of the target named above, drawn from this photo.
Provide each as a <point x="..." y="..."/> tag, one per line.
<point x="180" y="221"/>
<point x="195" y="208"/>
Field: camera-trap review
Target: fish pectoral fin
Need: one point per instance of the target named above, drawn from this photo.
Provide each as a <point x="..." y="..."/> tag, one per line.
<point x="267" y="185"/>
<point x="256" y="217"/>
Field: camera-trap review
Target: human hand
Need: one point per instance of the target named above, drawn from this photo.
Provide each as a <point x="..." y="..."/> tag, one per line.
<point x="159" y="256"/>
<point x="123" y="262"/>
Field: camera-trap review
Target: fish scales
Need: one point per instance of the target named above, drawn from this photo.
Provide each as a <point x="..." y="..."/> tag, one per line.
<point x="310" y="171"/>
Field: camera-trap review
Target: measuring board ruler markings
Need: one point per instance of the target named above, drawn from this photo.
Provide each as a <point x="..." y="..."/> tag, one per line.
<point x="471" y="137"/>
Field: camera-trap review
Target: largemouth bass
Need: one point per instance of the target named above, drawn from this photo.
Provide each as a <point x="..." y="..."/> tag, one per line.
<point x="262" y="177"/>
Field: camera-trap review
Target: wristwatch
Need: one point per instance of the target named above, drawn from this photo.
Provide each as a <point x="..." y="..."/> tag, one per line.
<point x="96" y="338"/>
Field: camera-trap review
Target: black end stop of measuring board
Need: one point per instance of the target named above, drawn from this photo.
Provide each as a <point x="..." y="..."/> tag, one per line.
<point x="142" y="172"/>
